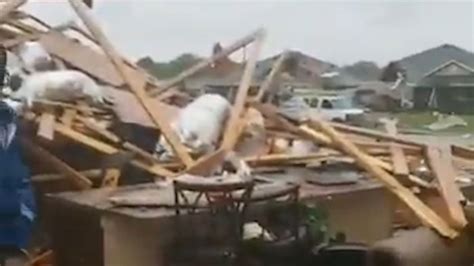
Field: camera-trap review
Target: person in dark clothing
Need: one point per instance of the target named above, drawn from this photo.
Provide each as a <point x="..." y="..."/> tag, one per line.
<point x="17" y="205"/>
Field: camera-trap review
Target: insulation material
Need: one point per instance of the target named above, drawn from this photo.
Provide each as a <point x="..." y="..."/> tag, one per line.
<point x="199" y="124"/>
<point x="60" y="85"/>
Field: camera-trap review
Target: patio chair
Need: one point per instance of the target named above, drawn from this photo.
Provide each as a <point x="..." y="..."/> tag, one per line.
<point x="209" y="217"/>
<point x="281" y="209"/>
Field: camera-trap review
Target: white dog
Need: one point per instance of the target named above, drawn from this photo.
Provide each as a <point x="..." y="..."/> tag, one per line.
<point x="58" y="85"/>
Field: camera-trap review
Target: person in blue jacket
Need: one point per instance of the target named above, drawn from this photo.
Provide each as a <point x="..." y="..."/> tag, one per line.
<point x="17" y="205"/>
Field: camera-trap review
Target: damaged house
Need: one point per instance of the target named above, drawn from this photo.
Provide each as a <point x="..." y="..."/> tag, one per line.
<point x="224" y="75"/>
<point x="441" y="78"/>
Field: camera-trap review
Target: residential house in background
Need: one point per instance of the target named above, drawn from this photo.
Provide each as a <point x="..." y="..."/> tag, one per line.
<point x="441" y="78"/>
<point x="300" y="70"/>
<point x="223" y="77"/>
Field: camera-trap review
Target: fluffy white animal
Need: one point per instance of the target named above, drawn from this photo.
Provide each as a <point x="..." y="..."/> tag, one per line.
<point x="58" y="85"/>
<point x="34" y="57"/>
<point x="200" y="123"/>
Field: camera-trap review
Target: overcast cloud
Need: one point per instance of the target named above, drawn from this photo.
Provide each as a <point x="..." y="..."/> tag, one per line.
<point x="338" y="31"/>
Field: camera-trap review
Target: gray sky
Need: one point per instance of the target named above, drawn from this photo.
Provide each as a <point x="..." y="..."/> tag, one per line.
<point x="338" y="31"/>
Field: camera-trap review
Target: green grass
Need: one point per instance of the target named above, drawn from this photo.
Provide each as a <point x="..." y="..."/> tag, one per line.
<point x="419" y="121"/>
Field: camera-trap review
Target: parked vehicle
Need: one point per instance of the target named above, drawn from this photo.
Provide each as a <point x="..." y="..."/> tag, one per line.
<point x="332" y="107"/>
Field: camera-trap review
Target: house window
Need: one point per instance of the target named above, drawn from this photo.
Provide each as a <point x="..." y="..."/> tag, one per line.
<point x="313" y="103"/>
<point x="326" y="104"/>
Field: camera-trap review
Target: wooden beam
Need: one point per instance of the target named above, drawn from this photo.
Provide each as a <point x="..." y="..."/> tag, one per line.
<point x="46" y="126"/>
<point x="90" y="174"/>
<point x="77" y="178"/>
<point x="458" y="151"/>
<point x="374" y="134"/>
<point x="81" y="57"/>
<point x="117" y="140"/>
<point x="68" y="117"/>
<point x="233" y="130"/>
<point x="206" y="62"/>
<point x="207" y="164"/>
<point x="101" y="146"/>
<point x="286" y="158"/>
<point x="441" y="164"/>
<point x="271" y="77"/>
<point x="137" y="86"/>
<point x="321" y="138"/>
<point x="9" y="7"/>
<point x="400" y="165"/>
<point x="108" y="149"/>
<point x="111" y="178"/>
<point x="426" y="214"/>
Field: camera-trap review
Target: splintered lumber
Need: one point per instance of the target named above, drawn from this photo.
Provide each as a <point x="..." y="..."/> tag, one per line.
<point x="233" y="130"/>
<point x="205" y="165"/>
<point x="457" y="150"/>
<point x="90" y="174"/>
<point x="287" y="158"/>
<point x="374" y="134"/>
<point x="111" y="178"/>
<point x="102" y="147"/>
<point x="68" y="117"/>
<point x="206" y="62"/>
<point x="116" y="139"/>
<point x="107" y="149"/>
<point x="271" y="77"/>
<point x="426" y="214"/>
<point x="76" y="177"/>
<point x="321" y="138"/>
<point x="46" y="126"/>
<point x="9" y="7"/>
<point x="400" y="165"/>
<point x="137" y="86"/>
<point x="81" y="57"/>
<point x="440" y="162"/>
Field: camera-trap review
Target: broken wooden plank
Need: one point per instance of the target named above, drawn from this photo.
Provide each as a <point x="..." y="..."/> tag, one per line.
<point x="42" y="154"/>
<point x="233" y="130"/>
<point x="68" y="117"/>
<point x="426" y="214"/>
<point x="137" y="86"/>
<point x="441" y="164"/>
<point x="458" y="151"/>
<point x="206" y="62"/>
<point x="9" y="7"/>
<point x="81" y="57"/>
<point x="90" y="124"/>
<point x="400" y="165"/>
<point x="271" y="77"/>
<point x="90" y="174"/>
<point x="101" y="147"/>
<point x="374" y="134"/>
<point x="111" y="178"/>
<point x="107" y="149"/>
<point x="116" y="139"/>
<point x="206" y="165"/>
<point x="321" y="138"/>
<point x="286" y="158"/>
<point x="46" y="126"/>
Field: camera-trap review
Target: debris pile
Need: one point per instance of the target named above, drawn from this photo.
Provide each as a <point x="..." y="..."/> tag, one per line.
<point x="198" y="138"/>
